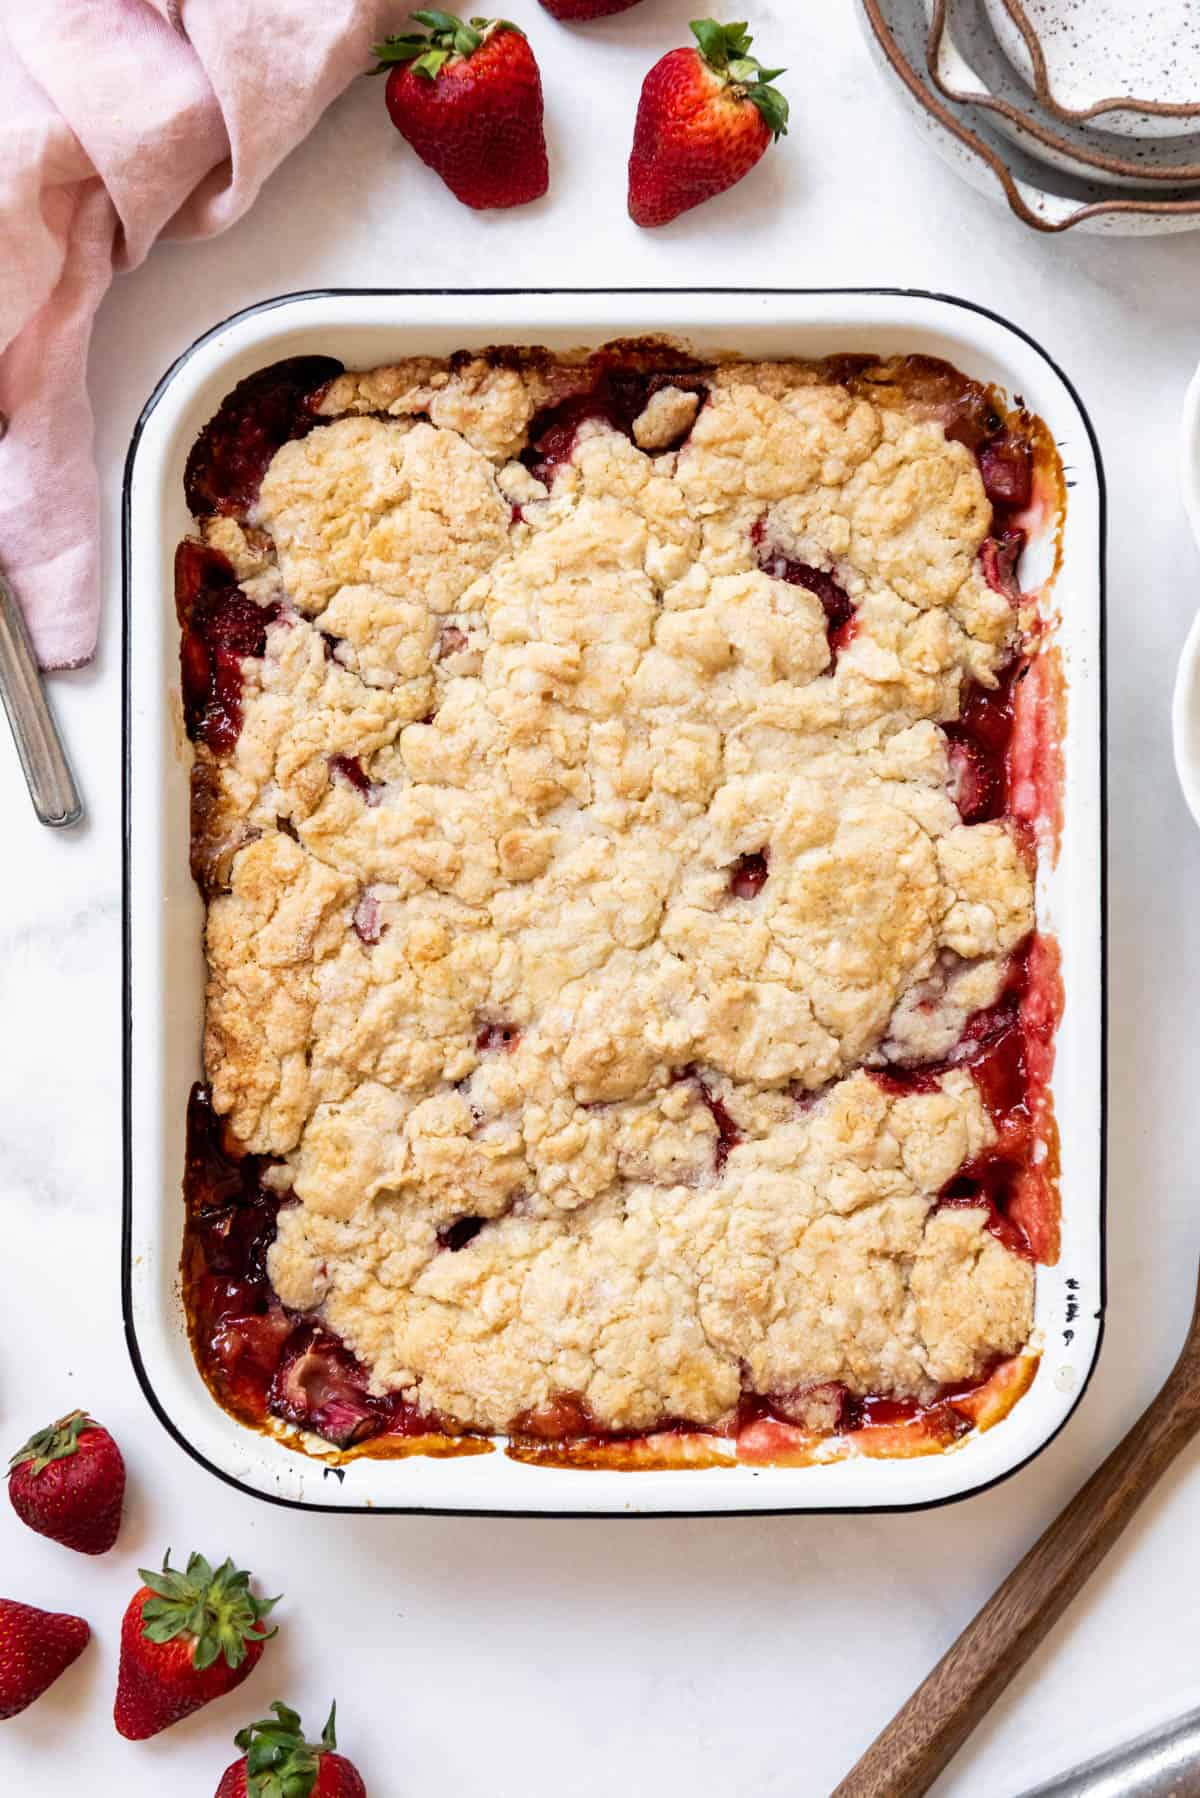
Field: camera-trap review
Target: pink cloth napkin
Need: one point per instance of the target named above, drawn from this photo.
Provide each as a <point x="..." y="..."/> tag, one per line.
<point x="122" y="121"/>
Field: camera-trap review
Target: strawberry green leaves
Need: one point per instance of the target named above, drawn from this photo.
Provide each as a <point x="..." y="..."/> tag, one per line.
<point x="54" y="1443"/>
<point x="448" y="37"/>
<point x="215" y="1607"/>
<point x="280" y="1763"/>
<point x="726" y="50"/>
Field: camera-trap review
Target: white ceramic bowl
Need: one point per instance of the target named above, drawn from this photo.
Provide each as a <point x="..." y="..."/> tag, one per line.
<point x="1185" y="704"/>
<point x="1047" y="199"/>
<point x="973" y="66"/>
<point x="1097" y="50"/>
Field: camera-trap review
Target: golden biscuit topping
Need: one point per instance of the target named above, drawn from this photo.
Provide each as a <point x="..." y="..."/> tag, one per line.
<point x="578" y="867"/>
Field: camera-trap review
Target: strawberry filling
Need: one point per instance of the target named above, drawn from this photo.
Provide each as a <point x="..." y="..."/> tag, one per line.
<point x="562" y="1417"/>
<point x="232" y="453"/>
<point x="368" y="918"/>
<point x="615" y="397"/>
<point x="238" y="1326"/>
<point x="990" y="1185"/>
<point x="829" y="1408"/>
<point x="450" y="639"/>
<point x="964" y="408"/>
<point x="980" y="739"/>
<point x="728" y="1134"/>
<point x="319" y="1386"/>
<point x="259" y="1358"/>
<point x="998" y="558"/>
<point x="748" y="875"/>
<point x="1006" y="469"/>
<point x="835" y="601"/>
<point x="967" y="413"/>
<point x="351" y="770"/>
<point x="1008" y="1050"/>
<point x="462" y="1231"/>
<point x="219" y="628"/>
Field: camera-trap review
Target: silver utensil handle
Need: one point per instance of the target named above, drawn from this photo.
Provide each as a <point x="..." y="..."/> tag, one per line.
<point x="43" y="758"/>
<point x="1163" y="1764"/>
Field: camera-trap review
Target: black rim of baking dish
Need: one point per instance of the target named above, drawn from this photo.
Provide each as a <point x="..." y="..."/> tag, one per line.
<point x="619" y="293"/>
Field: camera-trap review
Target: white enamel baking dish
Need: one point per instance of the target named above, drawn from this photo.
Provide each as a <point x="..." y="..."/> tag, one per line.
<point x="163" y="963"/>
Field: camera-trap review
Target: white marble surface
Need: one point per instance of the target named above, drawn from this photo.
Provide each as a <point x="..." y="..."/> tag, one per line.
<point x="715" y="1657"/>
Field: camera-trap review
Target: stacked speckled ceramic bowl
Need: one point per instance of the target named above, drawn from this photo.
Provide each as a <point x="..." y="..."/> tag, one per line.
<point x="1079" y="113"/>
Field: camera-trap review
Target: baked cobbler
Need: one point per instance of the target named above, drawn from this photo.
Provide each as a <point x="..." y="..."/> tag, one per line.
<point x="617" y="789"/>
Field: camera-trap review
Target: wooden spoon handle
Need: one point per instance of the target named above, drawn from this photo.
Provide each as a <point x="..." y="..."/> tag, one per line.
<point x="907" y="1756"/>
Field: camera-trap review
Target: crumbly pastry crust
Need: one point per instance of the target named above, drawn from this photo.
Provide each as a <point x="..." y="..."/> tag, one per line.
<point x="476" y="945"/>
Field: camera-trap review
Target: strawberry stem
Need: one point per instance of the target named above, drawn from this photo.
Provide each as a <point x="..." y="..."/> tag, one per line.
<point x="280" y="1763"/>
<point x="215" y="1607"/>
<point x="726" y="50"/>
<point x="448" y="37"/>
<point x="55" y="1443"/>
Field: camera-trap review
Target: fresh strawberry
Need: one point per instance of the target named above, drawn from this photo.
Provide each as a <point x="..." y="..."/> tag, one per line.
<point x="704" y="119"/>
<point x="35" y="1647"/>
<point x="186" y="1639"/>
<point x="468" y="98"/>
<point x="68" y="1483"/>
<point x="575" y="10"/>
<point x="279" y="1763"/>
